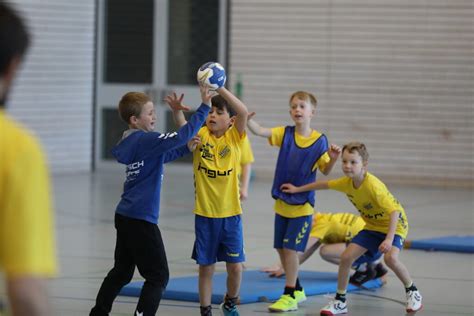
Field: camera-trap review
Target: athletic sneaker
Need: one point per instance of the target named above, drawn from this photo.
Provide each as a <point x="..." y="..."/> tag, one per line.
<point x="414" y="301"/>
<point x="360" y="277"/>
<point x="229" y="312"/>
<point x="300" y="296"/>
<point x="284" y="304"/>
<point x="334" y="307"/>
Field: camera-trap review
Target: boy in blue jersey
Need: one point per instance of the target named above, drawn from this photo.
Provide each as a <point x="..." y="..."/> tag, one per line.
<point x="386" y="224"/>
<point x="139" y="241"/>
<point x="218" y="224"/>
<point x="303" y="151"/>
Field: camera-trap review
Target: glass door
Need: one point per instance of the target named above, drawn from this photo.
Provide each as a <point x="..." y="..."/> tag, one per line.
<point x="153" y="46"/>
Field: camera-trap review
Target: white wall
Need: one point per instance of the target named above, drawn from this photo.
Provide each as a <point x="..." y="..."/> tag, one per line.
<point x="395" y="75"/>
<point x="53" y="93"/>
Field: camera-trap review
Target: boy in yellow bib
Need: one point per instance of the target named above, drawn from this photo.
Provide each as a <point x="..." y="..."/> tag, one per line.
<point x="302" y="152"/>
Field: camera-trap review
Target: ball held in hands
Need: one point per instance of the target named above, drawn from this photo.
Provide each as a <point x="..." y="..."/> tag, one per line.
<point x="212" y="74"/>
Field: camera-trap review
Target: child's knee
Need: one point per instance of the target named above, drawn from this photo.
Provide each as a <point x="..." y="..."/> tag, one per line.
<point x="391" y="258"/>
<point x="347" y="258"/>
<point x="323" y="251"/>
<point x="234" y="268"/>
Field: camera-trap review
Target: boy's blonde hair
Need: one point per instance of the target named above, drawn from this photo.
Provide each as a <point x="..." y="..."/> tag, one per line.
<point x="358" y="147"/>
<point x="305" y="96"/>
<point x="132" y="104"/>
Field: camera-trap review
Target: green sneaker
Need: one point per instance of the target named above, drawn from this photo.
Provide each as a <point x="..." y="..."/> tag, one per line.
<point x="285" y="304"/>
<point x="300" y="296"/>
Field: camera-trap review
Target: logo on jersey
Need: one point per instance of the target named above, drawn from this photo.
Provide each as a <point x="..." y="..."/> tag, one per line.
<point x="224" y="152"/>
<point x="211" y="173"/>
<point x="133" y="170"/>
<point x="205" y="151"/>
<point x="167" y="135"/>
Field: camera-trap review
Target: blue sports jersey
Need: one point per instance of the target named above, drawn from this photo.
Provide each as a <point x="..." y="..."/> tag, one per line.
<point x="144" y="154"/>
<point x="295" y="165"/>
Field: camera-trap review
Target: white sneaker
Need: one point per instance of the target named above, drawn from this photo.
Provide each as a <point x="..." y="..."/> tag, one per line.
<point x="414" y="301"/>
<point x="334" y="307"/>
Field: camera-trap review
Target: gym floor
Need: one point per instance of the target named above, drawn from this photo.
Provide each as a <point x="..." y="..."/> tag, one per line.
<point x="85" y="205"/>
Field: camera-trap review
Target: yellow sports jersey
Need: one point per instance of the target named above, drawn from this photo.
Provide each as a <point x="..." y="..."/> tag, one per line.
<point x="282" y="208"/>
<point x="246" y="155"/>
<point x="27" y="246"/>
<point x="216" y="164"/>
<point x="374" y="202"/>
<point x="336" y="227"/>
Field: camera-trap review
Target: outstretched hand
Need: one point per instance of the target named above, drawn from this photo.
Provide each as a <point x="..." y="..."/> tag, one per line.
<point x="250" y="115"/>
<point x="193" y="143"/>
<point x="334" y="151"/>
<point x="288" y="188"/>
<point x="175" y="103"/>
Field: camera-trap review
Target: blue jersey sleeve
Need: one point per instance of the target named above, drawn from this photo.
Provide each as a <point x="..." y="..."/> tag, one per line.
<point x="176" y="153"/>
<point x="157" y="142"/>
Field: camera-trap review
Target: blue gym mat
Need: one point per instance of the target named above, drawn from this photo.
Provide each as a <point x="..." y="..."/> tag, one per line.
<point x="447" y="243"/>
<point x="256" y="286"/>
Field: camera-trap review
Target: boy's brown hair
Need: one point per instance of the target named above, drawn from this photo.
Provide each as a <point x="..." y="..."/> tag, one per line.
<point x="132" y="104"/>
<point x="221" y="104"/>
<point x="358" y="147"/>
<point x="306" y="96"/>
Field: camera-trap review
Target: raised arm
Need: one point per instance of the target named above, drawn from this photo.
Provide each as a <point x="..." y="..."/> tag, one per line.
<point x="245" y="180"/>
<point x="317" y="185"/>
<point x="177" y="107"/>
<point x="239" y="108"/>
<point x="256" y="128"/>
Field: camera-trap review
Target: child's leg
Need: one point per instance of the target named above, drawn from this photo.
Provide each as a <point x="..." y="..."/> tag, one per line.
<point x="205" y="284"/>
<point x="291" y="266"/>
<point x="150" y="257"/>
<point x="338" y="305"/>
<point x="234" y="277"/>
<point x="392" y="261"/>
<point x="332" y="252"/>
<point x="118" y="276"/>
<point x="414" y="299"/>
<point x="352" y="252"/>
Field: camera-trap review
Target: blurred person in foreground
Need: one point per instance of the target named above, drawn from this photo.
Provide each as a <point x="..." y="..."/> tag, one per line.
<point x="27" y="244"/>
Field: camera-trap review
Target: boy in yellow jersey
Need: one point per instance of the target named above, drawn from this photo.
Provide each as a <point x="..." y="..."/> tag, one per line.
<point x="386" y="224"/>
<point x="303" y="151"/>
<point x="218" y="225"/>
<point x="27" y="245"/>
<point x="332" y="232"/>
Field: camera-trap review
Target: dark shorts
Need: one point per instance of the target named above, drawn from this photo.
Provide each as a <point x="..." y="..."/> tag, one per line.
<point x="218" y="239"/>
<point x="371" y="241"/>
<point x="292" y="233"/>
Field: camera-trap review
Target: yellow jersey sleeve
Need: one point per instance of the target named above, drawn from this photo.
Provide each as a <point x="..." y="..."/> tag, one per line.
<point x="246" y="152"/>
<point x="322" y="161"/>
<point x="277" y="136"/>
<point x="27" y="243"/>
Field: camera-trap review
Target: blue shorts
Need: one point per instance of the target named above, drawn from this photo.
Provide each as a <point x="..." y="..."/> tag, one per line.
<point x="292" y="233"/>
<point x="371" y="241"/>
<point x="218" y="239"/>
